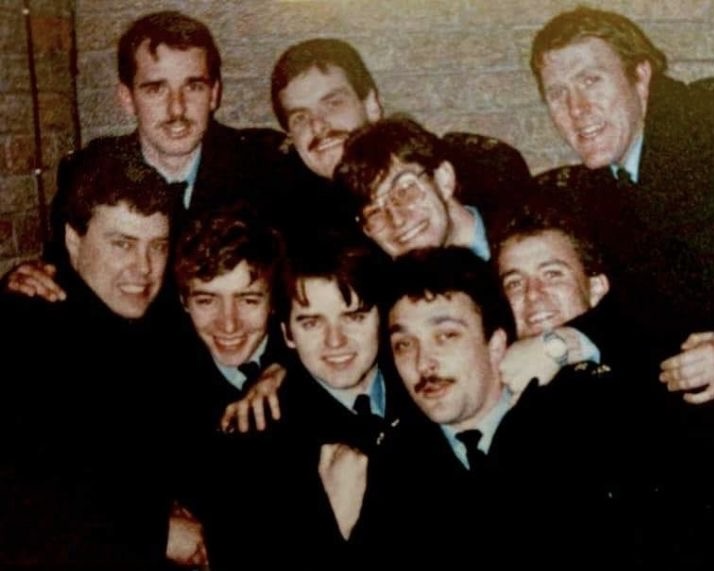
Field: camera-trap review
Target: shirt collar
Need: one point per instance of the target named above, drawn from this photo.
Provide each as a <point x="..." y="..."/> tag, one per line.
<point x="236" y="377"/>
<point x="632" y="161"/>
<point x="480" y="242"/>
<point x="487" y="425"/>
<point x="188" y="175"/>
<point x="375" y="391"/>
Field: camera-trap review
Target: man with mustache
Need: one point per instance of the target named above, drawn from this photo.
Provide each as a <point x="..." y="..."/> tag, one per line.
<point x="322" y="91"/>
<point x="479" y="473"/>
<point x="647" y="146"/>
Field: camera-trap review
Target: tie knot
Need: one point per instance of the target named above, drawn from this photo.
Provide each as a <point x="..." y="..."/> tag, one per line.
<point x="250" y="370"/>
<point x="362" y="405"/>
<point x="470" y="439"/>
<point x="623" y="177"/>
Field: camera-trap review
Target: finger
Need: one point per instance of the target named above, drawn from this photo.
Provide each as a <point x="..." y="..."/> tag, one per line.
<point x="699" y="398"/>
<point x="696" y="338"/>
<point x="327" y="456"/>
<point x="687" y="384"/>
<point x="258" y="413"/>
<point x="274" y="405"/>
<point x="243" y="416"/>
<point x="228" y="419"/>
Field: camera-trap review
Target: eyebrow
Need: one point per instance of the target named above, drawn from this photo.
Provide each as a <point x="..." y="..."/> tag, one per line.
<point x="551" y="262"/>
<point x="436" y="320"/>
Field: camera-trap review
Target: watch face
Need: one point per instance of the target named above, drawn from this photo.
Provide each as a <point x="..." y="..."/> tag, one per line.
<point x="555" y="347"/>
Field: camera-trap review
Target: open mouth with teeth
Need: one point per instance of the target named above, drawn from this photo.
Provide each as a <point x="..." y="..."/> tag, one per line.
<point x="339" y="361"/>
<point x="327" y="144"/>
<point x="135" y="289"/>
<point x="229" y="344"/>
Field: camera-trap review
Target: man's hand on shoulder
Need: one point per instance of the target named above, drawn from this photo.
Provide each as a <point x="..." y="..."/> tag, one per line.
<point x="237" y="414"/>
<point x="692" y="369"/>
<point x="35" y="279"/>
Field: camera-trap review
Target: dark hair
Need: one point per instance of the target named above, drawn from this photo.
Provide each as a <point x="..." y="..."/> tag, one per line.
<point x="173" y="29"/>
<point x="110" y="178"/>
<point x="532" y="221"/>
<point x="430" y="272"/>
<point x="355" y="264"/>
<point x="622" y="34"/>
<point x="320" y="53"/>
<point x="215" y="242"/>
<point x="370" y="151"/>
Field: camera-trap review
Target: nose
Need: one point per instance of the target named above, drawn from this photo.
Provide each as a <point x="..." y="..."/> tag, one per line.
<point x="426" y="361"/>
<point x="318" y="124"/>
<point x="229" y="317"/>
<point x="144" y="262"/>
<point x="177" y="103"/>
<point x="578" y="103"/>
<point x="395" y="214"/>
<point x="334" y="336"/>
<point x="534" y="289"/>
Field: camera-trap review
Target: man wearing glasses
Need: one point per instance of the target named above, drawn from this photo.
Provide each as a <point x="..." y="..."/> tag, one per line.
<point x="403" y="188"/>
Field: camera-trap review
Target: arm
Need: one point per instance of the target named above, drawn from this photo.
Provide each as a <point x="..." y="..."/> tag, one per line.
<point x="237" y="414"/>
<point x="692" y="369"/>
<point x="532" y="357"/>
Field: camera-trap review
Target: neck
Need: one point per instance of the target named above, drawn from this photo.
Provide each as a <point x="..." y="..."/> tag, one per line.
<point x="172" y="168"/>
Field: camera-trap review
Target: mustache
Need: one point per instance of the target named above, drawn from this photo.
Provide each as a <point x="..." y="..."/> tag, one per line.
<point x="429" y="381"/>
<point x="180" y="119"/>
<point x="317" y="141"/>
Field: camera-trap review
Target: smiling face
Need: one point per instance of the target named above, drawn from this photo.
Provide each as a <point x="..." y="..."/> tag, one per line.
<point x="121" y="257"/>
<point x="418" y="219"/>
<point x="322" y="109"/>
<point x="230" y="313"/>
<point x="337" y="342"/>
<point x="447" y="365"/>
<point x="172" y="98"/>
<point x="596" y="108"/>
<point x="545" y="281"/>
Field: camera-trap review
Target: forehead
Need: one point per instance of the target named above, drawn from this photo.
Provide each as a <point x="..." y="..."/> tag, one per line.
<point x="417" y="316"/>
<point x="587" y="54"/>
<point x="397" y="169"/>
<point x="241" y="279"/>
<point x="527" y="253"/>
<point x="120" y="219"/>
<point x="322" y="295"/>
<point x="313" y="84"/>
<point x="189" y="62"/>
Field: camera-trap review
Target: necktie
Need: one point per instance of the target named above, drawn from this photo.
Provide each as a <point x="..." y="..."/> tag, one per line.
<point x="475" y="456"/>
<point x="362" y="406"/>
<point x="624" y="179"/>
<point x="250" y="370"/>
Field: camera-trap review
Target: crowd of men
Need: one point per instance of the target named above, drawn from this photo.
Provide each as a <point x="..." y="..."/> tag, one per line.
<point x="358" y="341"/>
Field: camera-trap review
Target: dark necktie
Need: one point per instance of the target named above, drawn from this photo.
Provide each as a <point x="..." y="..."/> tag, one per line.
<point x="624" y="179"/>
<point x="251" y="370"/>
<point x="476" y="456"/>
<point x="362" y="406"/>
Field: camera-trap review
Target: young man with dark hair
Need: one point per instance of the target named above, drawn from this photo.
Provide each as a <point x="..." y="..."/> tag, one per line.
<point x="403" y="189"/>
<point x="86" y="482"/>
<point x="647" y="149"/>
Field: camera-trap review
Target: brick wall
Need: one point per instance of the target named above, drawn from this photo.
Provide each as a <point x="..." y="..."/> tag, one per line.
<point x="20" y="231"/>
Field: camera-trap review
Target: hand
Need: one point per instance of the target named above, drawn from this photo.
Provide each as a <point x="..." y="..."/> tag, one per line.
<point x="35" y="279"/>
<point x="185" y="545"/>
<point x="525" y="360"/>
<point x="265" y="389"/>
<point x="343" y="471"/>
<point x="693" y="368"/>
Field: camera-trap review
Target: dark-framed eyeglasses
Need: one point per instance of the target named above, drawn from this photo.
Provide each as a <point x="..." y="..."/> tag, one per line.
<point x="406" y="192"/>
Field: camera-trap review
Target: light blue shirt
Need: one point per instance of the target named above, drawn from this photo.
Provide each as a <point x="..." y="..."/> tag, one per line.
<point x="480" y="243"/>
<point x="236" y="377"/>
<point x="488" y="426"/>
<point x="191" y="179"/>
<point x="632" y="161"/>
<point x="375" y="391"/>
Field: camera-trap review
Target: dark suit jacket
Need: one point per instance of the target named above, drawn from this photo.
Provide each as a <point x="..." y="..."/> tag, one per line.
<point x="85" y="421"/>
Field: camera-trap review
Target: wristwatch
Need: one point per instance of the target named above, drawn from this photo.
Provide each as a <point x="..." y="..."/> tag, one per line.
<point x="555" y="347"/>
